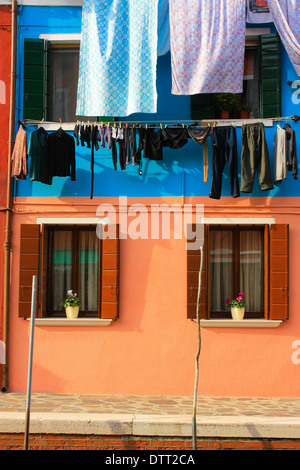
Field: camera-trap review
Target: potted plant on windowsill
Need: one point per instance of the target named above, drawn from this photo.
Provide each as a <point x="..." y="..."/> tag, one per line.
<point x="71" y="304"/>
<point x="237" y="306"/>
<point x="226" y="102"/>
<point x="245" y="111"/>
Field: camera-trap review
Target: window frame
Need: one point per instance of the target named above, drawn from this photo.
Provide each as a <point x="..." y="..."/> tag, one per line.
<point x="75" y="268"/>
<point x="236" y="230"/>
<point x="276" y="271"/>
<point x="33" y="261"/>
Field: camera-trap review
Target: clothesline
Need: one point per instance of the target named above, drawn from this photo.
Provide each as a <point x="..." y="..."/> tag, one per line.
<point x="164" y="123"/>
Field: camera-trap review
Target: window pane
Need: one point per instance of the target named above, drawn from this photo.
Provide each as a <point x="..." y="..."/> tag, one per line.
<point x="60" y="267"/>
<point x="64" y="66"/>
<point x="251" y="269"/>
<point x="250" y="95"/>
<point x="88" y="270"/>
<point x="220" y="269"/>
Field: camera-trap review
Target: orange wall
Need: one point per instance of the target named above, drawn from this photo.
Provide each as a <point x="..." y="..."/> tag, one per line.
<point x="151" y="348"/>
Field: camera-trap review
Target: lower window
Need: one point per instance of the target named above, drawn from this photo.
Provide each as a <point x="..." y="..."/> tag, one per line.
<point x="236" y="264"/>
<point x="248" y="259"/>
<point x="73" y="264"/>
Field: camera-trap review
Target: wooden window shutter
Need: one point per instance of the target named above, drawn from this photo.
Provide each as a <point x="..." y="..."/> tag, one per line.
<point x="202" y="106"/>
<point x="110" y="260"/>
<point x="279" y="272"/>
<point x="193" y="266"/>
<point x="270" y="75"/>
<point x="36" y="79"/>
<point x="29" y="266"/>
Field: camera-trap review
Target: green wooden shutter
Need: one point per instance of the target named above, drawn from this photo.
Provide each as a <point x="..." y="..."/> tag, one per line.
<point x="202" y="106"/>
<point x="36" y="79"/>
<point x="270" y="76"/>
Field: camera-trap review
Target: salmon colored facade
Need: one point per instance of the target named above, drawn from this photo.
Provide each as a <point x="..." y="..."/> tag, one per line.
<point x="150" y="348"/>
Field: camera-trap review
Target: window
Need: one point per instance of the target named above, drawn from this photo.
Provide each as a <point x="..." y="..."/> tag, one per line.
<point x="73" y="264"/>
<point x="261" y="85"/>
<point x="236" y="262"/>
<point x="250" y="259"/>
<point x="66" y="257"/>
<point x="64" y="66"/>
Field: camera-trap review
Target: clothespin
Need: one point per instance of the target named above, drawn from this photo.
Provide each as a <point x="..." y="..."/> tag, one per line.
<point x="60" y="121"/>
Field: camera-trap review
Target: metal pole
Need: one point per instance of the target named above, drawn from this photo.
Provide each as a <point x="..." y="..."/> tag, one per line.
<point x="27" y="416"/>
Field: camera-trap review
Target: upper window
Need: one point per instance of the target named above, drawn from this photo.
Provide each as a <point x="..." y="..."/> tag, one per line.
<point x="64" y="66"/>
<point x="261" y="96"/>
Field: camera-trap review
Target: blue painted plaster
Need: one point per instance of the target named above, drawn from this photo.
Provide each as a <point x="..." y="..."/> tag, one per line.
<point x="181" y="171"/>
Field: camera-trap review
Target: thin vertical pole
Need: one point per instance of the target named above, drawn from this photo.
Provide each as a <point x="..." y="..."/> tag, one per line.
<point x="27" y="416"/>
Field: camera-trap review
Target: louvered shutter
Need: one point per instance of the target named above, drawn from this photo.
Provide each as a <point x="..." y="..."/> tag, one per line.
<point x="270" y="76"/>
<point x="110" y="275"/>
<point x="279" y="272"/>
<point x="193" y="266"/>
<point x="29" y="266"/>
<point x="202" y="106"/>
<point x="36" y="79"/>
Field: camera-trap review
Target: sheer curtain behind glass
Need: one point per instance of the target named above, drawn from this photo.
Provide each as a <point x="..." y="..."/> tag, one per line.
<point x="88" y="270"/>
<point x="251" y="263"/>
<point x="220" y="269"/>
<point x="60" y="267"/>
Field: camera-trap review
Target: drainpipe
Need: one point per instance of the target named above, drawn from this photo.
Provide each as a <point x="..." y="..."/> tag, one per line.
<point x="8" y="209"/>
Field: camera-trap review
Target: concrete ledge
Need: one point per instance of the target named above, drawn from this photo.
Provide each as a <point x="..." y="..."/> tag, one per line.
<point x="152" y="425"/>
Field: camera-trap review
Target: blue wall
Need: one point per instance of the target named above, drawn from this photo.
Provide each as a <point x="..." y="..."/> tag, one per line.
<point x="181" y="171"/>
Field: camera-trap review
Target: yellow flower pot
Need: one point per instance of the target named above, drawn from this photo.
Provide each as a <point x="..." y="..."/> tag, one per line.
<point x="237" y="313"/>
<point x="72" y="312"/>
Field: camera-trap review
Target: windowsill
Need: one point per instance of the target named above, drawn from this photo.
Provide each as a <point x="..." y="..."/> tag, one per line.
<point x="245" y="323"/>
<point x="72" y="321"/>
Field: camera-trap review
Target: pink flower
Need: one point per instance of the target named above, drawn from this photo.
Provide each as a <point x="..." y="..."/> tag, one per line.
<point x="239" y="298"/>
<point x="227" y="300"/>
<point x="241" y="294"/>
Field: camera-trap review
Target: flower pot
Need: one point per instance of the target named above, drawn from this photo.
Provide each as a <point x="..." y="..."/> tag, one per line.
<point x="224" y="114"/>
<point x="244" y="114"/>
<point x="237" y="313"/>
<point x="72" y="312"/>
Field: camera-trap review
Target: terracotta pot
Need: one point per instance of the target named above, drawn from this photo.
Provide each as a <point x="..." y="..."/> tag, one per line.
<point x="244" y="114"/>
<point x="237" y="313"/>
<point x="224" y="115"/>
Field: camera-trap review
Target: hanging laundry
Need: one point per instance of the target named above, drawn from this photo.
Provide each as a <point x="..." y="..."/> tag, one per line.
<point x="285" y="153"/>
<point x="153" y="144"/>
<point x="207" y="40"/>
<point x="291" y="150"/>
<point x="200" y="136"/>
<point x="40" y="164"/>
<point x="117" y="136"/>
<point x="255" y="158"/>
<point x="175" y="137"/>
<point x="279" y="155"/>
<point x="61" y="147"/>
<point x="118" y="55"/>
<point x="19" y="159"/>
<point x="224" y="145"/>
<point x="258" y="12"/>
<point x="105" y="136"/>
<point x="163" y="35"/>
<point x="286" y="14"/>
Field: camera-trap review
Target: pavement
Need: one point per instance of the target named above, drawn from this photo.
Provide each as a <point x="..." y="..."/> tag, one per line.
<point x="151" y="415"/>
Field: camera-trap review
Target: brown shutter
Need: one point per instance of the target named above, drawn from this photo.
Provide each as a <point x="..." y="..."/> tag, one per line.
<point x="279" y="272"/>
<point x="193" y="266"/>
<point x="29" y="266"/>
<point x="266" y="272"/>
<point x="44" y="269"/>
<point x="110" y="277"/>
